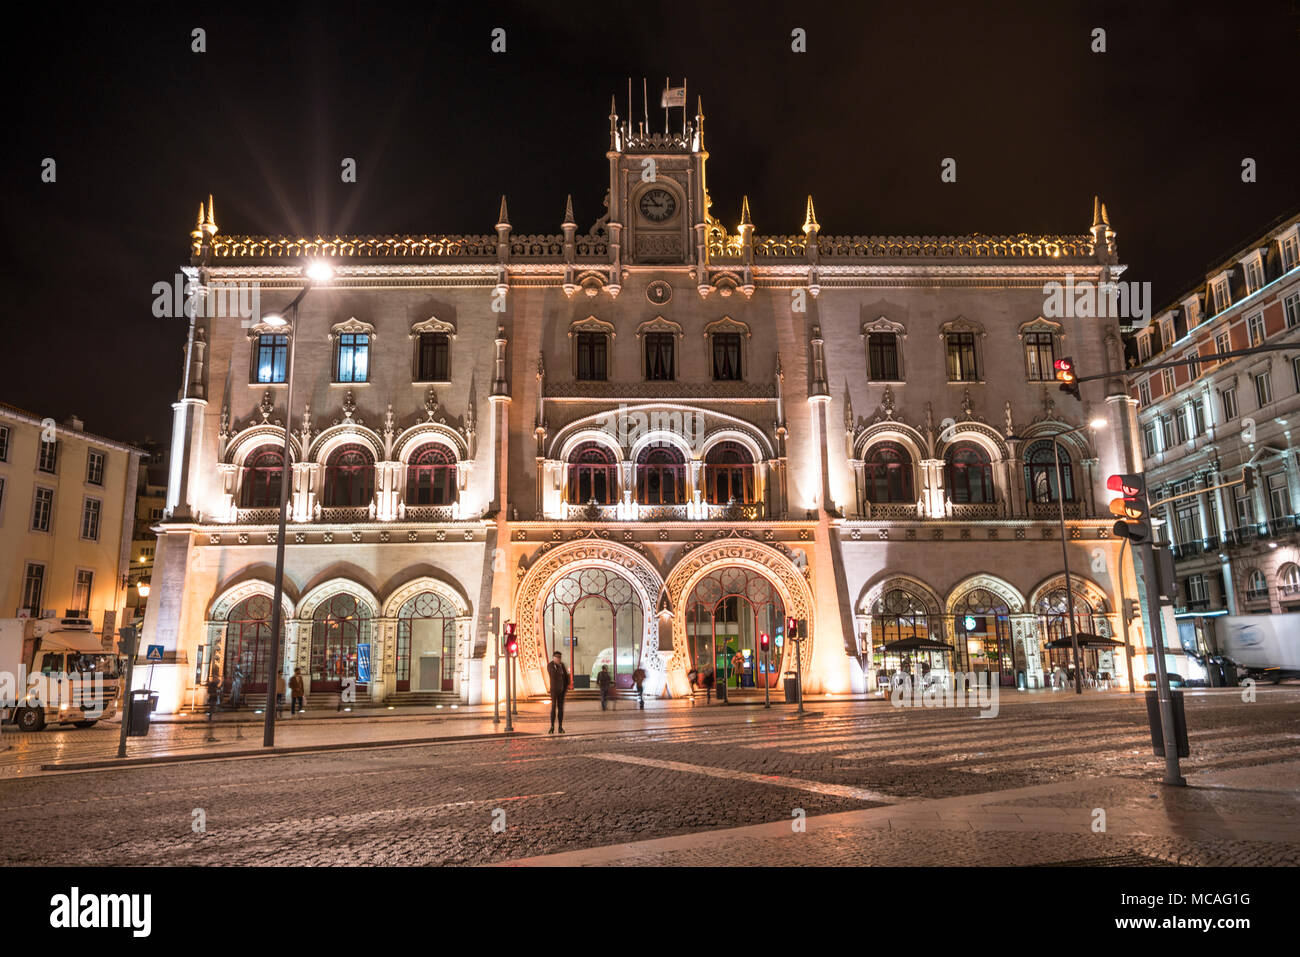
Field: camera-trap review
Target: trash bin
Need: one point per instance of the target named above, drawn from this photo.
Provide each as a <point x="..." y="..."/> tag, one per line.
<point x="143" y="704"/>
<point x="791" y="687"/>
<point x="720" y="690"/>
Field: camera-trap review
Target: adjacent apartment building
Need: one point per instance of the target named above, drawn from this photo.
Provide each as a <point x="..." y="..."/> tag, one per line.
<point x="1231" y="423"/>
<point x="67" y="501"/>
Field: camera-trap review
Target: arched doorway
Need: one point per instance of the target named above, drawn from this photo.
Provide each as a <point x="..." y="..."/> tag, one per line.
<point x="1053" y="613"/>
<point x="426" y="644"/>
<point x="727" y="612"/>
<point x="340" y="623"/>
<point x="593" y="618"/>
<point x="982" y="622"/>
<point x="248" y="646"/>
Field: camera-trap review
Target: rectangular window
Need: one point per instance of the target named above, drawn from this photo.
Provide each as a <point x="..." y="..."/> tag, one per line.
<point x="272" y="353"/>
<point x="1144" y="348"/>
<point x="1144" y="392"/>
<point x="1180" y="423"/>
<point x="1254" y="276"/>
<point x="1221" y="344"/>
<point x="1291" y="306"/>
<point x="1255" y="328"/>
<point x="1187" y="519"/>
<point x="42" y="508"/>
<point x="434" y="361"/>
<point x="1290" y="254"/>
<point x="1244" y="506"/>
<point x="81" y="592"/>
<point x="90" y="520"/>
<point x="1222" y="296"/>
<point x="354" y="357"/>
<point x="48" y="457"/>
<point x="882" y="353"/>
<point x="95" y="467"/>
<point x="1167" y="380"/>
<point x="1040" y="356"/>
<point x="1193" y="364"/>
<point x="1167" y="431"/>
<point x="33" y="588"/>
<point x="1198" y="588"/>
<point x="1149" y="437"/>
<point x="1295" y="372"/>
<point x="1196" y="412"/>
<point x="1279" y="499"/>
<point x="726" y="356"/>
<point x="2" y="493"/>
<point x="1229" y="399"/>
<point x="4" y="444"/>
<point x="961" y="357"/>
<point x="659" y="356"/>
<point x="1263" y="389"/>
<point x="592" y="351"/>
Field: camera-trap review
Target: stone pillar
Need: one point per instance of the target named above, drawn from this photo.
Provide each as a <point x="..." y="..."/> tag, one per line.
<point x="388" y="490"/>
<point x="303" y="492"/>
<point x="932" y="493"/>
<point x="229" y="476"/>
<point x="1028" y="648"/>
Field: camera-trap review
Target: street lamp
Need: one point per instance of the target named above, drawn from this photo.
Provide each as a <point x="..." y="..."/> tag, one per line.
<point x="1055" y="438"/>
<point x="318" y="271"/>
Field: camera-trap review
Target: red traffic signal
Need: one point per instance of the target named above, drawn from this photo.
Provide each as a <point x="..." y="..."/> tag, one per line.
<point x="791" y="627"/>
<point x="1066" y="375"/>
<point x="512" y="643"/>
<point x="1131" y="507"/>
<point x="764" y="641"/>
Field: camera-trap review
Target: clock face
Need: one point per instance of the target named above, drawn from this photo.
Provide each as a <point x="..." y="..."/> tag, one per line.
<point x="658" y="205"/>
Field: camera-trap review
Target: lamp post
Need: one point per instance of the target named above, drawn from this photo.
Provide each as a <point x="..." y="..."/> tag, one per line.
<point x="316" y="272"/>
<point x="1065" y="557"/>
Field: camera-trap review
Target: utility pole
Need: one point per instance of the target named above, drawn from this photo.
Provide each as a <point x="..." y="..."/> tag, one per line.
<point x="129" y="637"/>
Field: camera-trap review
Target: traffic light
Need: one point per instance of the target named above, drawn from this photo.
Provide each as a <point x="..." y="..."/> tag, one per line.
<point x="1132" y="610"/>
<point x="1068" y="378"/>
<point x="792" y="627"/>
<point x="512" y="643"/>
<point x="764" y="642"/>
<point x="1248" y="477"/>
<point x="1134" y="520"/>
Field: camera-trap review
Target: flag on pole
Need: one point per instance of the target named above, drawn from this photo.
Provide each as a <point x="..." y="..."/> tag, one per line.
<point x="673" y="96"/>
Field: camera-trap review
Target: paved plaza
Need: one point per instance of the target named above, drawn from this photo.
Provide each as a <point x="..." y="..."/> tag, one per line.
<point x="1052" y="778"/>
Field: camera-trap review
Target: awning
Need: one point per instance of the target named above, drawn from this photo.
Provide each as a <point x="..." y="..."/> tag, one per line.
<point x="916" y="644"/>
<point x="1086" y="641"/>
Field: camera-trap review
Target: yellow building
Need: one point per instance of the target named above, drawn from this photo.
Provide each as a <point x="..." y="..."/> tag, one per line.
<point x="67" y="504"/>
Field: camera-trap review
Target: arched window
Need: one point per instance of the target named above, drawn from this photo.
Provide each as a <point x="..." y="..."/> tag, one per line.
<point x="426" y="632"/>
<point x="260" y="487"/>
<point x="1040" y="473"/>
<point x="1256" y="585"/>
<point x="349" y="477"/>
<point x="970" y="474"/>
<point x="339" y="625"/>
<point x="1053" y="615"/>
<point x="982" y="623"/>
<point x="1288" y="579"/>
<point x="248" y="646"/>
<point x="660" y="476"/>
<point x="431" y="476"/>
<point x="729" y="474"/>
<point x="593" y="475"/>
<point x="888" y="473"/>
<point x="898" y="615"/>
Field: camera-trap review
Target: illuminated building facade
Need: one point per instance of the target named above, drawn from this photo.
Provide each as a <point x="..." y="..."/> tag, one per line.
<point x="646" y="443"/>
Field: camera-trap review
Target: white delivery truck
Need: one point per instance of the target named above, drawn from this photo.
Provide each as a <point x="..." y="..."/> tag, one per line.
<point x="55" y="671"/>
<point x="1267" y="646"/>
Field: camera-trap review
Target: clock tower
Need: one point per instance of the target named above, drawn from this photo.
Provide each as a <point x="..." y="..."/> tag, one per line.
<point x="658" y="203"/>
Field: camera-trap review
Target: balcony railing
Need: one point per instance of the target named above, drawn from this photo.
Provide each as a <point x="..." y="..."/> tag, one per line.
<point x="876" y="511"/>
<point x="1048" y="511"/>
<point x="345" y="514"/>
<point x="257" y="516"/>
<point x="429" y="513"/>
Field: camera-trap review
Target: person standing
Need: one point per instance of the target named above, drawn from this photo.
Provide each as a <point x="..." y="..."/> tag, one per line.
<point x="559" y="678"/>
<point x="296" y="688"/>
<point x="708" y="686"/>
<point x="604" y="680"/>
<point x="638" y="679"/>
<point x="279" y="694"/>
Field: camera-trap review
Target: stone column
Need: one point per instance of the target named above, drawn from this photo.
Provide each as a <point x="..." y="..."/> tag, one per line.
<point x="387" y="490"/>
<point x="1028" y="647"/>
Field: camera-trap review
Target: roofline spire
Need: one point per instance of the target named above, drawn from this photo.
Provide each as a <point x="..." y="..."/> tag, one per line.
<point x="810" y="218"/>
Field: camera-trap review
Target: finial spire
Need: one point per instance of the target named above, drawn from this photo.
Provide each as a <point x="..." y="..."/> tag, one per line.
<point x="503" y="218"/>
<point x="810" y="218"/>
<point x="744" y="212"/>
<point x="568" y="211"/>
<point x="197" y="232"/>
<point x="1105" y="217"/>
<point x="209" y="224"/>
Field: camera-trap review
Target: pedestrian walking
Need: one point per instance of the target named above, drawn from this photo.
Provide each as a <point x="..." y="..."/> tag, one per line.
<point x="708" y="686"/>
<point x="604" y="680"/>
<point x="638" y="679"/>
<point x="295" y="689"/>
<point x="279" y="695"/>
<point x="559" y="678"/>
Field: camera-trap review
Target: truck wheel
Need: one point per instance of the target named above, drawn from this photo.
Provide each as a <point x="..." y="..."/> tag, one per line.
<point x="30" y="719"/>
<point x="85" y="724"/>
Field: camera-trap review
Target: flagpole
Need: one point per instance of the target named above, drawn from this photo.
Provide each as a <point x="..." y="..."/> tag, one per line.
<point x="665" y="106"/>
<point x="684" y="101"/>
<point x="645" y="104"/>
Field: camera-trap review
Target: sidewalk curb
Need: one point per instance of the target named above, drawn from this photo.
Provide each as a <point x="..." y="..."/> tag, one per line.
<point x="272" y="752"/>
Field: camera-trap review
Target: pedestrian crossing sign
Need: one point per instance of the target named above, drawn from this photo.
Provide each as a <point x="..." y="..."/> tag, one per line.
<point x="154" y="654"/>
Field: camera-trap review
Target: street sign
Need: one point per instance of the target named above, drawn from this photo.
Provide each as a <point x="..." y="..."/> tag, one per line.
<point x="154" y="654"/>
<point x="363" y="662"/>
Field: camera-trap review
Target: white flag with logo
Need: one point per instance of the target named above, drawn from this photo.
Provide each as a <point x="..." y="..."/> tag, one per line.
<point x="673" y="96"/>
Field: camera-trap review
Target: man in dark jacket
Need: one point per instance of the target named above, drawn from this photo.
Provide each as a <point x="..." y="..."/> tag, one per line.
<point x="559" y="678"/>
<point x="604" y="680"/>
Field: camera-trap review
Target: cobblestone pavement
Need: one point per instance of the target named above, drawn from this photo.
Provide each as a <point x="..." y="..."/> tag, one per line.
<point x="876" y="785"/>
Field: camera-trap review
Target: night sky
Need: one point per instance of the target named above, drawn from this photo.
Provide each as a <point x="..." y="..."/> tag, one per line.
<point x="142" y="129"/>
